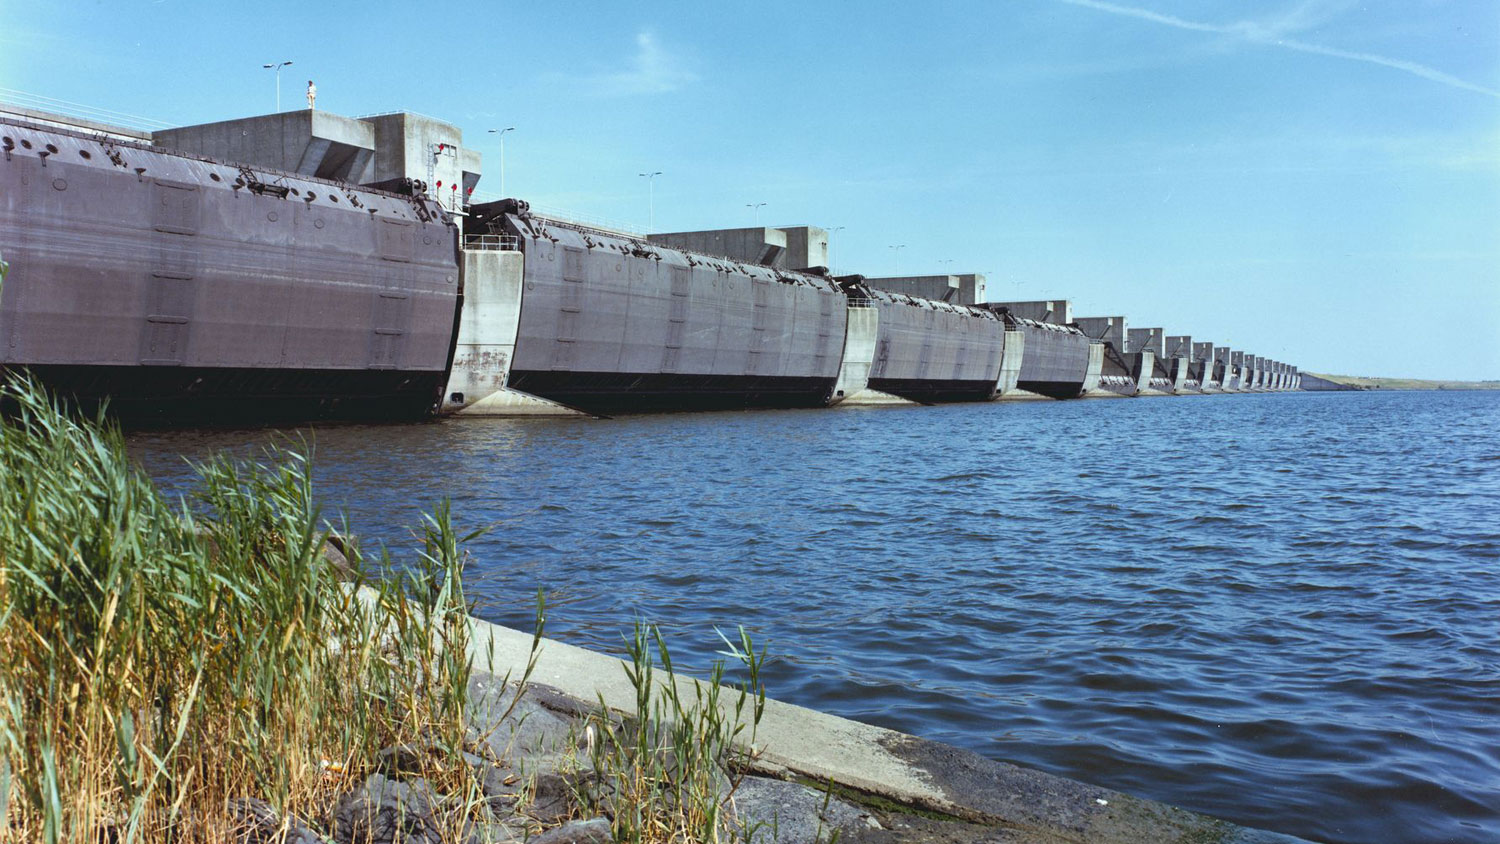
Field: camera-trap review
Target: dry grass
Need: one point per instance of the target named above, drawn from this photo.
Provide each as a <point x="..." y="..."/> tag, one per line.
<point x="158" y="660"/>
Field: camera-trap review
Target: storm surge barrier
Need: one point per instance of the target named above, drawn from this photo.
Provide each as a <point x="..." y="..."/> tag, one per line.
<point x="304" y="265"/>
<point x="602" y="322"/>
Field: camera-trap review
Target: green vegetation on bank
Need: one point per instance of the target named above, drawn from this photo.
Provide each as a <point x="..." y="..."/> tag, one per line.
<point x="1361" y="382"/>
<point x="669" y="770"/>
<point x="160" y="661"/>
<point x="166" y="667"/>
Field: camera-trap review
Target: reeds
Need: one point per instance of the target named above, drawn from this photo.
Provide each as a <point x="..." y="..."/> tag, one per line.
<point x="668" y="771"/>
<point x="159" y="660"/>
<point x="162" y="662"/>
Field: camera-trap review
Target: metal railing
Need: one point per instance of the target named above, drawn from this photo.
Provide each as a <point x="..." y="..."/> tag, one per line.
<point x="563" y="215"/>
<point x="861" y="302"/>
<point x="492" y="243"/>
<point x="68" y="108"/>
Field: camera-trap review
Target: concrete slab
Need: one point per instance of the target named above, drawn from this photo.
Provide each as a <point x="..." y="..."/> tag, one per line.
<point x="1152" y="340"/>
<point x="959" y="289"/>
<point x="795" y="742"/>
<point x="1109" y="330"/>
<point x="1019" y="394"/>
<point x="786" y="247"/>
<point x="1010" y="363"/>
<point x="508" y="402"/>
<point x="861" y="333"/>
<point x="312" y="143"/>
<point x="875" y="398"/>
<point x="1054" y="311"/>
<point x="68" y="121"/>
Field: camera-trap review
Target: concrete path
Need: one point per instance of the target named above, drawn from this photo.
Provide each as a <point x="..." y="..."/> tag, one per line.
<point x="942" y="783"/>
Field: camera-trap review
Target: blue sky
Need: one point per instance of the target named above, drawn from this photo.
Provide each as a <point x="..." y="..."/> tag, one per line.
<point x="1315" y="181"/>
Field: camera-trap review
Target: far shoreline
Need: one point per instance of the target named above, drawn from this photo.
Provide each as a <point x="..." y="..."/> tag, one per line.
<point x="1361" y="382"/>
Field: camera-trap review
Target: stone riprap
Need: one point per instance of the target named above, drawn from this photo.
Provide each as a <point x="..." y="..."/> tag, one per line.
<point x="805" y="777"/>
<point x="814" y="772"/>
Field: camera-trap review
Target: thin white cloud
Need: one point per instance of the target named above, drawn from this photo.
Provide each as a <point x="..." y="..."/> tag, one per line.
<point x="1272" y="33"/>
<point x="651" y="69"/>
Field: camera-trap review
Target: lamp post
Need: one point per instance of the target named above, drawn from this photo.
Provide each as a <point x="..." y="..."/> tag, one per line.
<point x="501" y="134"/>
<point x="650" y="199"/>
<point x="757" y="206"/>
<point x="898" y="257"/>
<point x="831" y="232"/>
<point x="277" y="66"/>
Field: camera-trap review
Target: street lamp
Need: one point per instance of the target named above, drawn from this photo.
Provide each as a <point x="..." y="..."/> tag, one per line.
<point x="898" y="257"/>
<point x="650" y="199"/>
<point x="278" y="66"/>
<point x="757" y="206"/>
<point x="501" y="133"/>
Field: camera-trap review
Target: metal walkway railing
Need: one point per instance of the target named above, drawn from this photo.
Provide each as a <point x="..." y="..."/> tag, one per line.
<point x="492" y="243"/>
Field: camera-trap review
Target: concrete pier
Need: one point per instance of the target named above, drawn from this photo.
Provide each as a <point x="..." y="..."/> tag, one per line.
<point x="1180" y="352"/>
<point x="1154" y="340"/>
<point x="1095" y="369"/>
<point x="1233" y="363"/>
<point x="1204" y="369"/>
<point x="1119" y="375"/>
<point x="861" y="337"/>
<point x="1177" y="373"/>
<point x="487" y="341"/>
<point x="1010" y="364"/>
<point x="860" y="334"/>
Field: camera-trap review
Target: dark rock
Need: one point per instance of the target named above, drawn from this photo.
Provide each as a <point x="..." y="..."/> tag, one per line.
<point x="337" y="551"/>
<point x="551" y="799"/>
<point x="559" y="702"/>
<point x="499" y="783"/>
<point x="255" y="822"/>
<point x="420" y="759"/>
<point x="778" y="812"/>
<point x="506" y="729"/>
<point x="594" y="831"/>
<point x="384" y="811"/>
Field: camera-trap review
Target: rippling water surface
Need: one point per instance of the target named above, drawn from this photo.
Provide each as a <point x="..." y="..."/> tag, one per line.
<point x="1283" y="610"/>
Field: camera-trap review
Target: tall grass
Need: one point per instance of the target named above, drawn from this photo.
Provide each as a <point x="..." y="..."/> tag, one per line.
<point x="666" y="772"/>
<point x="158" y="660"/>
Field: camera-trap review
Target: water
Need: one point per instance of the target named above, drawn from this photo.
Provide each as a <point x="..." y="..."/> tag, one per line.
<point x="1283" y="610"/>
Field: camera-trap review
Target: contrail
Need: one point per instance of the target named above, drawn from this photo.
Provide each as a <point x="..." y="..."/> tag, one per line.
<point x="1261" y="35"/>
